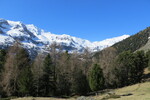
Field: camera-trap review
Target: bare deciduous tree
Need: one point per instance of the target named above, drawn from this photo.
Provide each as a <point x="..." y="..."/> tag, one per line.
<point x="37" y="71"/>
<point x="11" y="71"/>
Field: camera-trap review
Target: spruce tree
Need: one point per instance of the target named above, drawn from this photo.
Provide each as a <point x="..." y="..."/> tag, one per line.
<point x="96" y="79"/>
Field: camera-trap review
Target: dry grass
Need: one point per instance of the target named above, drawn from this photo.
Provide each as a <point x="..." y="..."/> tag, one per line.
<point x="146" y="71"/>
<point x="139" y="92"/>
<point x="41" y="98"/>
<point x="134" y="92"/>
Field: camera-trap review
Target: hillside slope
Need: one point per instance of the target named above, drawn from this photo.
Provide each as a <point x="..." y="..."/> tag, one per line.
<point x="135" y="92"/>
<point x="133" y="42"/>
<point x="146" y="47"/>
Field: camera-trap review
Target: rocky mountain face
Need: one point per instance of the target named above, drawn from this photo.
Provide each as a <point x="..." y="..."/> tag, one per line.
<point x="37" y="40"/>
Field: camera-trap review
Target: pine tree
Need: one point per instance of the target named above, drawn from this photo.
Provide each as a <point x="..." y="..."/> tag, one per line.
<point x="140" y="63"/>
<point x="80" y="84"/>
<point x="96" y="79"/>
<point x="130" y="67"/>
<point x="2" y="62"/>
<point x="49" y="81"/>
<point x="148" y="57"/>
<point x="25" y="82"/>
<point x="2" y="59"/>
<point x="125" y="64"/>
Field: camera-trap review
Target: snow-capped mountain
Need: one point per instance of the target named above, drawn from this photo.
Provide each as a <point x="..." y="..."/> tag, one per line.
<point x="37" y="39"/>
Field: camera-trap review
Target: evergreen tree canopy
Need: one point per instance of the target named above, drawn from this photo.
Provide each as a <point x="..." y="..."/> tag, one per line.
<point x="96" y="79"/>
<point x="2" y="58"/>
<point x="148" y="56"/>
<point x="49" y="81"/>
<point x="130" y="67"/>
<point x="79" y="84"/>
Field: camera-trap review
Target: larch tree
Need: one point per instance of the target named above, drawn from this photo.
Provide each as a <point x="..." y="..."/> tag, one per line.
<point x="17" y="60"/>
<point x="37" y="71"/>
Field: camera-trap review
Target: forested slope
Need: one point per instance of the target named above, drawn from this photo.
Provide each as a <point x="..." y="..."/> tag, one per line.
<point x="134" y="42"/>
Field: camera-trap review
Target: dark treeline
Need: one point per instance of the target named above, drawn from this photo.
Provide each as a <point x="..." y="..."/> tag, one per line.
<point x="122" y="69"/>
<point x="62" y="74"/>
<point x="56" y="74"/>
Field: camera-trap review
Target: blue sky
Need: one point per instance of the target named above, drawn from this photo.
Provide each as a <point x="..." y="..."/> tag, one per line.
<point x="94" y="20"/>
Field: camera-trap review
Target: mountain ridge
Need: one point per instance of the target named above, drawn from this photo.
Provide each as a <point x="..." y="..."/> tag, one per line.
<point x="33" y="37"/>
